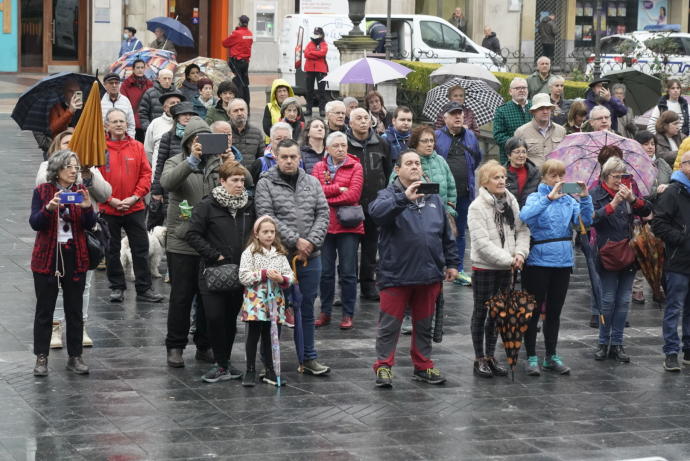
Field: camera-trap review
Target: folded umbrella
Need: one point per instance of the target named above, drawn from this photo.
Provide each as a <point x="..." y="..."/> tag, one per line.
<point x="155" y="59"/>
<point x="649" y="251"/>
<point x="465" y="71"/>
<point x="479" y="97"/>
<point x="88" y="140"/>
<point x="642" y="91"/>
<point x="296" y="303"/>
<point x="175" y="31"/>
<point x="275" y="336"/>
<point x="33" y="106"/>
<point x="590" y="259"/>
<point x="367" y="70"/>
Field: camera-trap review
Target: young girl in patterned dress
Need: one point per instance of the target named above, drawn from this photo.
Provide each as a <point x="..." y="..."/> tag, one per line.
<point x="264" y="271"/>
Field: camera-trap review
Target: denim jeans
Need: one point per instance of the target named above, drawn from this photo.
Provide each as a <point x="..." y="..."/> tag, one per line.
<point x="462" y="208"/>
<point x="308" y="278"/>
<point x="616" y="291"/>
<point x="677" y="305"/>
<point x="344" y="248"/>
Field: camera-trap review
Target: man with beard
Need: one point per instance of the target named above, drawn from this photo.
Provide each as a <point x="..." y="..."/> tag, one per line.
<point x="246" y="137"/>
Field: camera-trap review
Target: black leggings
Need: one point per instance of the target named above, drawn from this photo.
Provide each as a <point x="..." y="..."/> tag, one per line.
<point x="550" y="284"/>
<point x="258" y="328"/>
<point x="221" y="311"/>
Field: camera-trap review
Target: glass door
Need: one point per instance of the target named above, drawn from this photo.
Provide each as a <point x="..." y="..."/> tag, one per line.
<point x="31" y="34"/>
<point x="65" y="24"/>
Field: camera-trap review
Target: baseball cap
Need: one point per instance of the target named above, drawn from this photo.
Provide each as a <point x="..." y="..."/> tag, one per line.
<point x="111" y="76"/>
<point x="452" y="107"/>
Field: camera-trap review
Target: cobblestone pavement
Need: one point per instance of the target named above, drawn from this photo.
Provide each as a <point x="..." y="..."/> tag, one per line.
<point x="133" y="406"/>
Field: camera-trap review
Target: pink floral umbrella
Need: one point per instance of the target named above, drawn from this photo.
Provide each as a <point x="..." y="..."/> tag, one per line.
<point x="579" y="152"/>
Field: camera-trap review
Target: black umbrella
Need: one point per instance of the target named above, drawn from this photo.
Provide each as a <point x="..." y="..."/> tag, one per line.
<point x="642" y="90"/>
<point x="33" y="106"/>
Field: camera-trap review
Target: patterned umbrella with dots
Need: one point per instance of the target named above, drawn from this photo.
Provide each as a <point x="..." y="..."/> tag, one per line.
<point x="479" y="97"/>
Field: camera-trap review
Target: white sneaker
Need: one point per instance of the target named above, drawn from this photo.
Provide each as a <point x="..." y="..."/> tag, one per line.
<point x="56" y="337"/>
<point x="86" y="340"/>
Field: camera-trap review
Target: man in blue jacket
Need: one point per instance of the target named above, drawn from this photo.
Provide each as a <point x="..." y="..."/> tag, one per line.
<point x="416" y="253"/>
<point x="398" y="134"/>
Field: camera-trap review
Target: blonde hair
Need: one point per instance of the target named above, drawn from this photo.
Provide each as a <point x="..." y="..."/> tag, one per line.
<point x="255" y="246"/>
<point x="487" y="170"/>
<point x="552" y="166"/>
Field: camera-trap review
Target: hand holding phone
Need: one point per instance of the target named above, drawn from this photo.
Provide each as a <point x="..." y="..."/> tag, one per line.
<point x="76" y="102"/>
<point x="428" y="188"/>
<point x="570" y="188"/>
<point x="71" y="198"/>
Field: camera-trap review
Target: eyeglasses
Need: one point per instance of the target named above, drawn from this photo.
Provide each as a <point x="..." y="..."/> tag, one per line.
<point x="521" y="88"/>
<point x="73" y="167"/>
<point x="426" y="141"/>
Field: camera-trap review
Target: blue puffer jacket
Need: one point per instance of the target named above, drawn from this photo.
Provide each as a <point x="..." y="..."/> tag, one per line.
<point x="548" y="220"/>
<point x="397" y="140"/>
<point x="415" y="243"/>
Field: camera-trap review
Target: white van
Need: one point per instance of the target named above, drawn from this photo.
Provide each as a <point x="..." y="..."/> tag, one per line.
<point x="414" y="37"/>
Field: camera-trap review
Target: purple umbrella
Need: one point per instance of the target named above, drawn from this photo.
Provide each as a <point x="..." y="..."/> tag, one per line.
<point x="579" y="152"/>
<point x="367" y="70"/>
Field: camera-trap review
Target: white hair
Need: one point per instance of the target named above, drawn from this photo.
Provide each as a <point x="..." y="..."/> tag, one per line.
<point x="347" y="100"/>
<point x="330" y="105"/>
<point x="332" y="137"/>
<point x="554" y="79"/>
<point x="110" y="111"/>
<point x="596" y="109"/>
<point x="215" y="126"/>
<point x="238" y="100"/>
<point x="164" y="72"/>
<point x="517" y="80"/>
<point x="280" y="126"/>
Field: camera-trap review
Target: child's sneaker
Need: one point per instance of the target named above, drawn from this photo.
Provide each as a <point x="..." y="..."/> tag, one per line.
<point x="271" y="378"/>
<point x="532" y="367"/>
<point x="463" y="279"/>
<point x="249" y="379"/>
<point x="216" y="374"/>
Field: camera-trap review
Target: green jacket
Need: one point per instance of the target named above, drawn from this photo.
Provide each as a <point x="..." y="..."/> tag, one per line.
<point x="535" y="84"/>
<point x="217" y="114"/>
<point x="436" y="169"/>
<point x="187" y="179"/>
<point x="508" y="118"/>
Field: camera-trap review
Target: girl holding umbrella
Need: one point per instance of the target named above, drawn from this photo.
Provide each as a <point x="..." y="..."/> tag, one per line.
<point x="500" y="245"/>
<point x="550" y="214"/>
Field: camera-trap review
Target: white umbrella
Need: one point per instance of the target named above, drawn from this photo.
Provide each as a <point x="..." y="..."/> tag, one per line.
<point x="465" y="71"/>
<point x="367" y="70"/>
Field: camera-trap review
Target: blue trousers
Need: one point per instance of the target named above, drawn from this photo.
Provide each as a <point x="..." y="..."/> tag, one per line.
<point x="343" y="248"/>
<point x="677" y="305"/>
<point x="616" y="292"/>
<point x="309" y="278"/>
<point x="462" y="209"/>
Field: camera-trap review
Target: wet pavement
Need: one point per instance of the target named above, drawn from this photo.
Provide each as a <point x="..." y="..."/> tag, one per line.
<point x="132" y="406"/>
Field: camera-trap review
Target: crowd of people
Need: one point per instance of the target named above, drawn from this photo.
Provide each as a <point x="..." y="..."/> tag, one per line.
<point x="340" y="200"/>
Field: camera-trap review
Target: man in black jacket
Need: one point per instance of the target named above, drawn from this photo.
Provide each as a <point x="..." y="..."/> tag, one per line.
<point x="671" y="224"/>
<point x="490" y="41"/>
<point x="374" y="153"/>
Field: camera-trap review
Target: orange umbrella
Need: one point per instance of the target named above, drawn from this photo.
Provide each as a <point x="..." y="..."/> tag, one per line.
<point x="88" y="140"/>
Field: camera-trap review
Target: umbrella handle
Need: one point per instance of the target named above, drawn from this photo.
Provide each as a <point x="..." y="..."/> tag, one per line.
<point x="583" y="231"/>
<point x="294" y="265"/>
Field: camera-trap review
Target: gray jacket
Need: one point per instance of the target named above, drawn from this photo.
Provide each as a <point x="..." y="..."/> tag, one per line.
<point x="185" y="178"/>
<point x="301" y="212"/>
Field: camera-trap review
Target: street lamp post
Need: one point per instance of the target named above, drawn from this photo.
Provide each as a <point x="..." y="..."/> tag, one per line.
<point x="387" y="44"/>
<point x="596" y="71"/>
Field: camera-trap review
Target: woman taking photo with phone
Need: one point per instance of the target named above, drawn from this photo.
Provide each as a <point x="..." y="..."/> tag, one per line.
<point x="551" y="213"/>
<point x="60" y="256"/>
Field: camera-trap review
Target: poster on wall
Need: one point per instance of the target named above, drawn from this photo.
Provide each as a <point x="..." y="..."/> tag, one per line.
<point x="652" y="12"/>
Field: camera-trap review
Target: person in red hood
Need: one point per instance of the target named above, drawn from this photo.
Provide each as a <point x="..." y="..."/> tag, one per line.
<point x="239" y="45"/>
<point x="128" y="171"/>
<point x="134" y="88"/>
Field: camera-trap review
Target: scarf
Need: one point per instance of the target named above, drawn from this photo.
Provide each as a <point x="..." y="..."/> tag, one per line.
<point x="179" y="130"/>
<point x="332" y="167"/>
<point x="503" y="213"/>
<point x="231" y="202"/>
<point x="140" y="82"/>
<point x="208" y="103"/>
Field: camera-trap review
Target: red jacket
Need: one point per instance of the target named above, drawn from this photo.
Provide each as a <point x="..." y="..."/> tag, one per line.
<point x="240" y="43"/>
<point x="315" y="57"/>
<point x="134" y="89"/>
<point x="128" y="171"/>
<point x="350" y="175"/>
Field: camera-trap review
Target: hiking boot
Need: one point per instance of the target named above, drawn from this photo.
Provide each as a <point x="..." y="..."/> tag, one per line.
<point x="594" y="321"/>
<point x="463" y="279"/>
<point x="216" y="374"/>
<point x="554" y="363"/>
<point x="384" y="377"/>
<point x="77" y="365"/>
<point x="249" y="379"/>
<point x="41" y="367"/>
<point x="532" y="367"/>
<point x="313" y="367"/>
<point x="602" y="352"/>
<point x="346" y="323"/>
<point x="271" y="378"/>
<point x="370" y="292"/>
<point x="429" y="376"/>
<point x="406" y="328"/>
<point x="205" y="355"/>
<point x="671" y="363"/>
<point x="175" y="358"/>
<point x="323" y="320"/>
<point x="482" y="369"/>
<point x="56" y="336"/>
<point x="496" y="369"/>
<point x="686" y="357"/>
<point x="618" y="353"/>
<point x="150" y="296"/>
<point x="86" y="340"/>
<point x="117" y="295"/>
<point x="289" y="318"/>
<point x="638" y="297"/>
<point x="234" y="372"/>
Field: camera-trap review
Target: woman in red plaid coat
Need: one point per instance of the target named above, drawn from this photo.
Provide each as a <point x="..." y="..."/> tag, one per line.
<point x="60" y="256"/>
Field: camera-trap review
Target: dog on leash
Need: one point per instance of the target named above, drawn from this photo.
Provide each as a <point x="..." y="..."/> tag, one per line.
<point x="156" y="252"/>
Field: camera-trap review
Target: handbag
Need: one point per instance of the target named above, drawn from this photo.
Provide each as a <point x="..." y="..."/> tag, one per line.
<point x="350" y="216"/>
<point x="616" y="256"/>
<point x="225" y="277"/>
<point x="97" y="242"/>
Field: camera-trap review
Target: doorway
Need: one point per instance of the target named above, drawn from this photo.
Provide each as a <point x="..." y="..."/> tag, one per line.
<point x="53" y="35"/>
